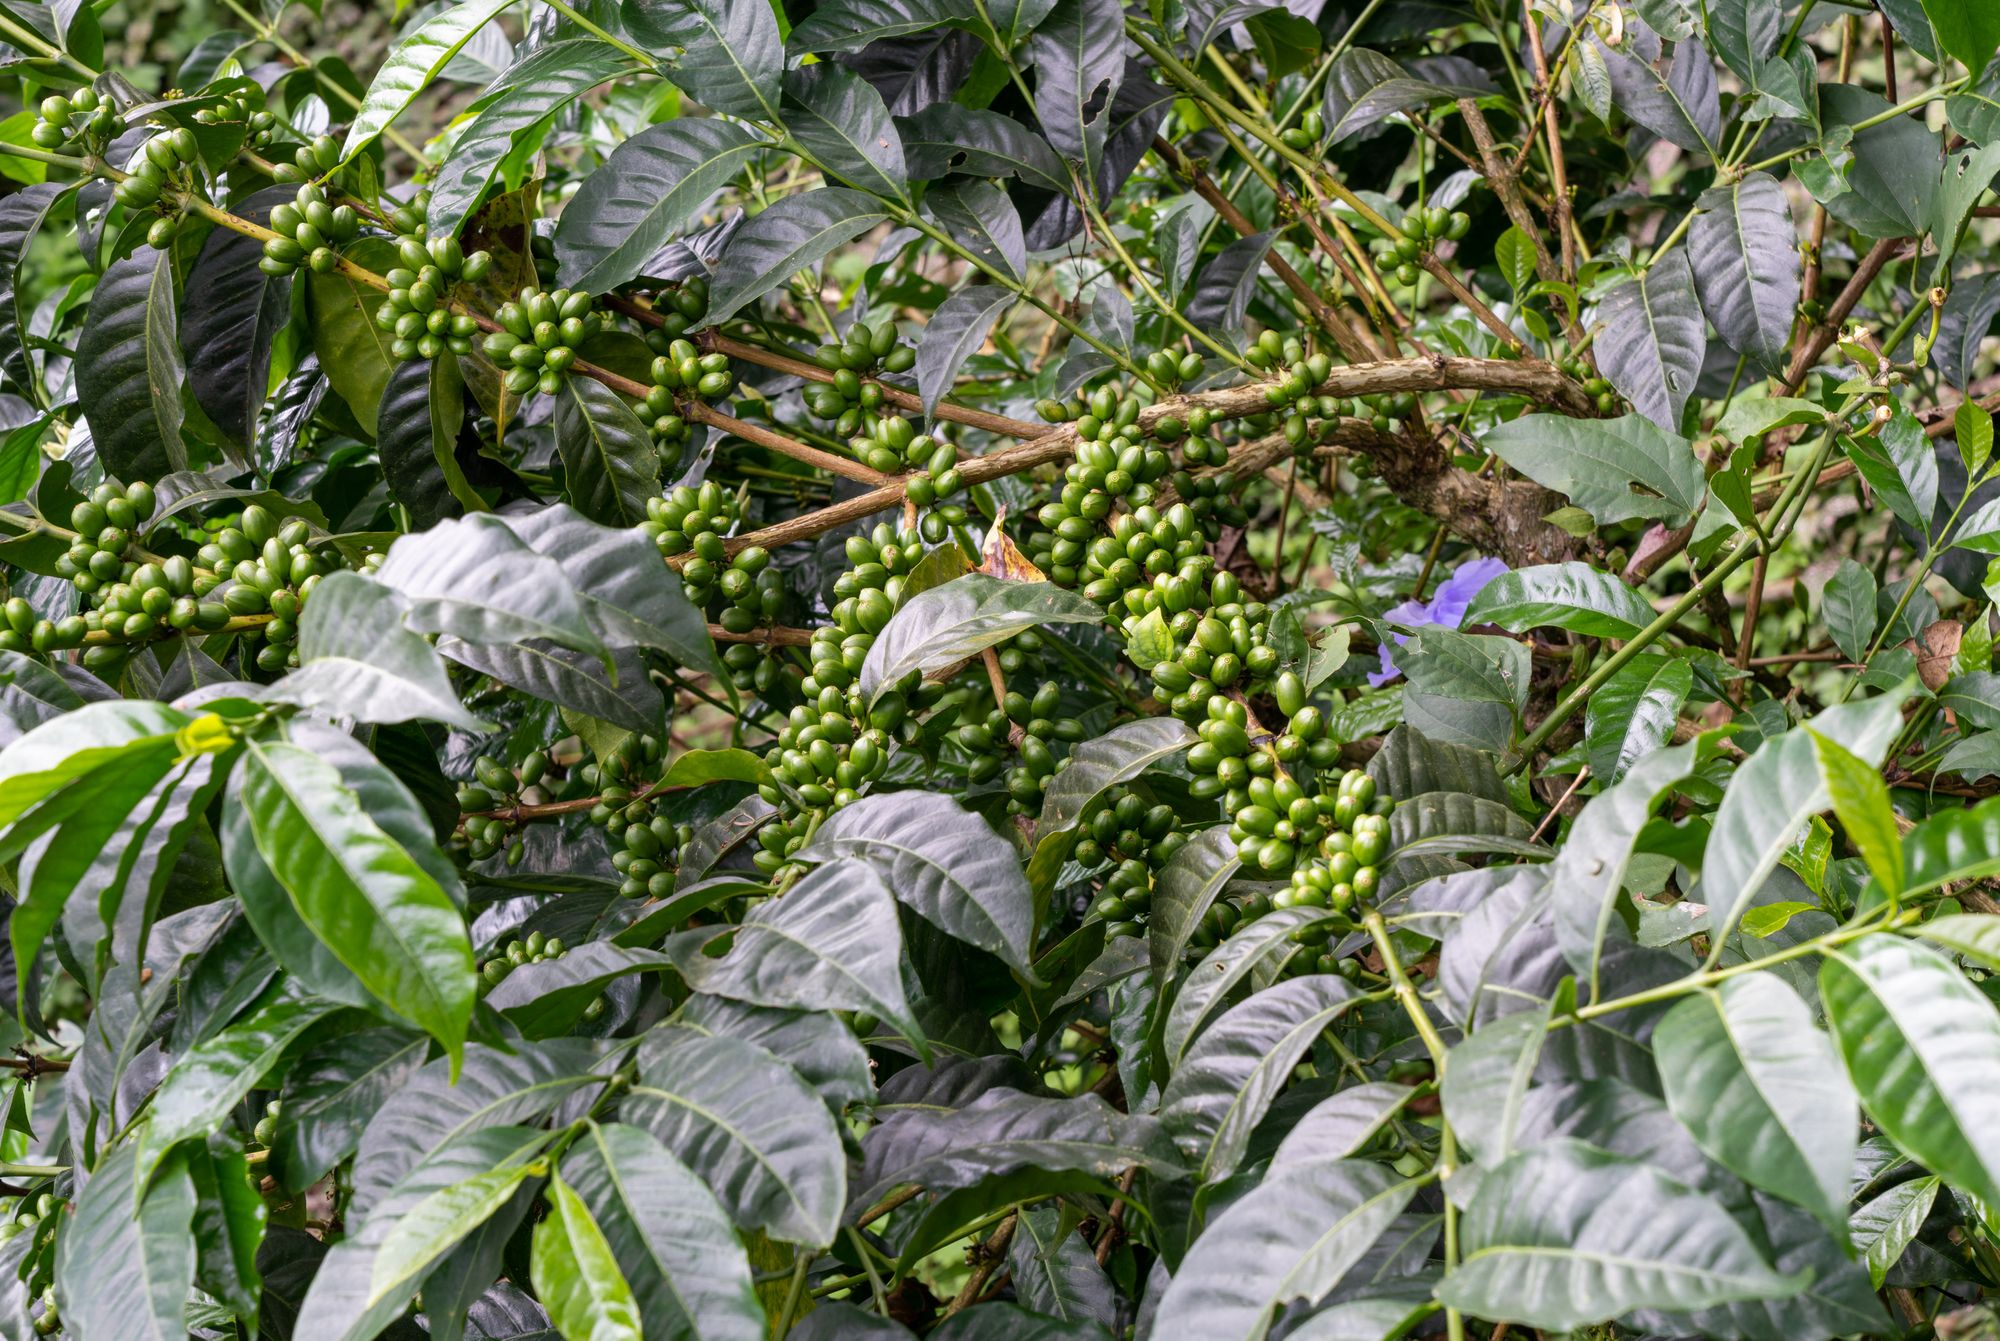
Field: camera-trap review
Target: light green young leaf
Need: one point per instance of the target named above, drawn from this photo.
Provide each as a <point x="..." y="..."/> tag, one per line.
<point x="1861" y="803"/>
<point x="576" y="1277"/>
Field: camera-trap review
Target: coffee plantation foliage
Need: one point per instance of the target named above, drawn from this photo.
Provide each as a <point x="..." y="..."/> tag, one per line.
<point x="1002" y="669"/>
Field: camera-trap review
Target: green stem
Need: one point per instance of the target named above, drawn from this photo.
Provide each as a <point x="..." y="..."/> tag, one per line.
<point x="30" y="38"/>
<point x="801" y="1263"/>
<point x="644" y="58"/>
<point x="1903" y="108"/>
<point x="1869" y="925"/>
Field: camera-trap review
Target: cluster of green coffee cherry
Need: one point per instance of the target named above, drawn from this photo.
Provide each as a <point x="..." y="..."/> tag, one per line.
<point x="245" y="106"/>
<point x="1041" y="728"/>
<point x="542" y="251"/>
<point x="274" y="568"/>
<point x="1166" y="368"/>
<point x="319" y="159"/>
<point x="538" y="337"/>
<point x="417" y="312"/>
<point x="1353" y="827"/>
<point x="1147" y="559"/>
<point x="265" y="1129"/>
<point x="492" y="783"/>
<point x="166" y="158"/>
<point x="835" y="742"/>
<point x="651" y="847"/>
<point x="1306" y="134"/>
<point x="309" y="231"/>
<point x="680" y="373"/>
<point x="694" y="519"/>
<point x="848" y="397"/>
<point x="85" y="115"/>
<point x="1594" y="384"/>
<point x="534" y="948"/>
<point x="681" y="308"/>
<point x="1422" y="227"/>
<point x="1138" y="840"/>
<point x="1386" y="411"/>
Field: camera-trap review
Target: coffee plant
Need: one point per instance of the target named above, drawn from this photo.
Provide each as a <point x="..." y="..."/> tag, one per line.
<point x="1000" y="669"/>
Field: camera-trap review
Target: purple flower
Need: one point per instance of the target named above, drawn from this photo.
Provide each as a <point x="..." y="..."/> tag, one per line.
<point x="1445" y="610"/>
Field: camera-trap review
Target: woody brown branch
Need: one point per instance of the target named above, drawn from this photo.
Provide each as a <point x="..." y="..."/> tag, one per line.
<point x="1421" y="469"/>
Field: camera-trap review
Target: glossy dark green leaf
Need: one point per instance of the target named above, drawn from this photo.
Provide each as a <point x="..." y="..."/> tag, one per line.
<point x="570" y="679"/>
<point x="1564" y="1234"/>
<point x="1635" y="714"/>
<point x="1573" y="596"/>
<point x="1095" y="767"/>
<point x="358" y="659"/>
<point x="513" y="114"/>
<point x="1078" y="53"/>
<point x="330" y="1094"/>
<point x="943" y="1146"/>
<point x="1340" y="1126"/>
<point x="1223" y="291"/>
<point x="951" y="623"/>
<point x="842" y="123"/>
<point x="229" y="1220"/>
<point x="361" y="1287"/>
<point x="1227" y="967"/>
<point x="749" y="1127"/>
<point x="942" y="861"/>
<point x="668" y="1234"/>
<point x="1236" y="1067"/>
<point x="1744" y="250"/>
<point x="850" y="25"/>
<point x="1288" y="1238"/>
<point x="818" y="1046"/>
<point x="1678" y="103"/>
<point x="1848" y="606"/>
<point x="1775" y="793"/>
<point x="209" y="1079"/>
<point x="650" y="188"/>
<point x="353" y="350"/>
<point x="22" y="215"/>
<point x="228" y="335"/>
<point x="731" y="56"/>
<point x="1760" y="1088"/>
<point x="1891" y="185"/>
<point x="980" y="218"/>
<point x="431" y="1111"/>
<point x="1923" y="1047"/>
<point x="129" y="368"/>
<point x="126" y="1260"/>
<point x="1884" y="1227"/>
<point x="548" y="997"/>
<point x="1055" y="1272"/>
<point x="955" y="332"/>
<point x="416" y="438"/>
<point x="1589" y="873"/>
<point x="413" y="63"/>
<point x="477" y="579"/>
<point x="380" y="913"/>
<point x="1965" y="29"/>
<point x="1183" y="892"/>
<point x="1654" y="340"/>
<point x="1614" y="469"/>
<point x="625" y="598"/>
<point x="793" y="234"/>
<point x="610" y="464"/>
<point x="1365" y="86"/>
<point x="946" y="138"/>
<point x="832" y="943"/>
